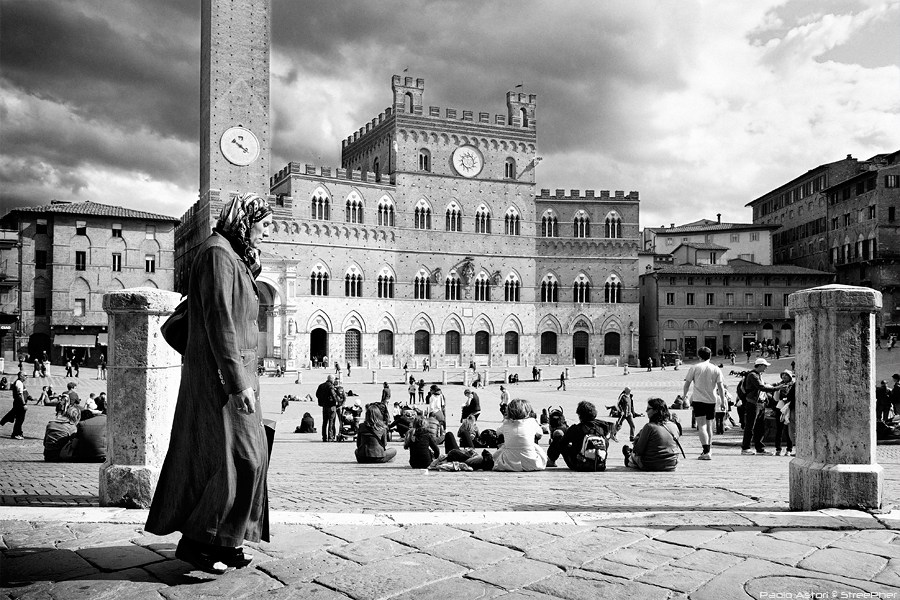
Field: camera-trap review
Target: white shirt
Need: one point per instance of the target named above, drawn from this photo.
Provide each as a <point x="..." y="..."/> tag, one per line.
<point x="706" y="378"/>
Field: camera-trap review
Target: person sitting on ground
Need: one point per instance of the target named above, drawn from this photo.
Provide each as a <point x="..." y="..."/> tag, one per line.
<point x="520" y="431"/>
<point x="89" y="442"/>
<point x="556" y="420"/>
<point x="89" y="410"/>
<point x="71" y="393"/>
<point x="44" y="399"/>
<point x="472" y="405"/>
<point x="656" y="448"/>
<point x="545" y="421"/>
<point x="307" y="424"/>
<point x="568" y="444"/>
<point x="468" y="432"/>
<point x="372" y="438"/>
<point x="59" y="432"/>
<point x="434" y="426"/>
<point x="403" y="421"/>
<point x="423" y="448"/>
<point x="469" y="456"/>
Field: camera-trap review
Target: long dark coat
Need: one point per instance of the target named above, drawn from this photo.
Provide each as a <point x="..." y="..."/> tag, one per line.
<point x="212" y="486"/>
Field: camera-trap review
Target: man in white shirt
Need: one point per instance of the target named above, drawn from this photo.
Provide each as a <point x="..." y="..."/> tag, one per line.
<point x="17" y="414"/>
<point x="708" y="381"/>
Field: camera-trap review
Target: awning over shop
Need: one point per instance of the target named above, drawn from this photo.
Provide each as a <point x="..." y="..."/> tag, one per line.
<point x="75" y="341"/>
<point x="103" y="339"/>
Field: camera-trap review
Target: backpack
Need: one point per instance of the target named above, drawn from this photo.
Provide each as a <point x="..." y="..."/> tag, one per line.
<point x="592" y="456"/>
<point x="488" y="438"/>
<point x="740" y="391"/>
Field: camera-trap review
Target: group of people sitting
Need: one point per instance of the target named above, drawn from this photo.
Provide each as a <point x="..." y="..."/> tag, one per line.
<point x="582" y="446"/>
<point x="78" y="433"/>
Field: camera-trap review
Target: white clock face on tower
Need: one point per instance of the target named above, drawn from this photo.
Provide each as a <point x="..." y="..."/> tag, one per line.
<point x="239" y="146"/>
<point x="468" y="161"/>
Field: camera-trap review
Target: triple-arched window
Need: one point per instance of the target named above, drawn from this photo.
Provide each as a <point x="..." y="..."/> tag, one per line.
<point x="582" y="225"/>
<point x="353" y="283"/>
<point x="385" y="284"/>
<point x="422" y="286"/>
<point x="422" y="215"/>
<point x="549" y="289"/>
<point x="482" y="220"/>
<point x="318" y="281"/>
<point x="511" y="288"/>
<point x="453" y="217"/>
<point x="581" y="290"/>
<point x="321" y="207"/>
<point x="549" y="224"/>
<point x="354" y="209"/>
<point x="482" y="288"/>
<point x="613" y="227"/>
<point x="386" y="212"/>
<point x="612" y="290"/>
<point x="452" y="287"/>
<point x="512" y="222"/>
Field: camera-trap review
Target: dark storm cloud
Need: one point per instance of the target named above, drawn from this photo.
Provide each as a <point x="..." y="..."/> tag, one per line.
<point x="581" y="58"/>
<point x="116" y="63"/>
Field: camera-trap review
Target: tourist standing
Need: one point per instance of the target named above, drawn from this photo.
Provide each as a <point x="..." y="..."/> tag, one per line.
<point x="755" y="409"/>
<point x="709" y="388"/>
<point x="16" y="415"/>
<point x="326" y="396"/>
<point x="212" y="487"/>
<point x="562" y="381"/>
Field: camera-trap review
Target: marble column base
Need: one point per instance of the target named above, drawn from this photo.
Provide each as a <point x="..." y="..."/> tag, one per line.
<point x="816" y="485"/>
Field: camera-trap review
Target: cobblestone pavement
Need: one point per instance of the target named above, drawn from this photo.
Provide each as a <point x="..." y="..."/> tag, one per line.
<point x="308" y="475"/>
<point x="103" y="554"/>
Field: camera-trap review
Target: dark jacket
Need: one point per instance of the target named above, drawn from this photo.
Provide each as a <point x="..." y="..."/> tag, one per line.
<point x="56" y="436"/>
<point x="472" y="408"/>
<point x="574" y="436"/>
<point x="91" y="440"/>
<point x="753" y="385"/>
<point x="370" y="443"/>
<point x="326" y="394"/>
<point x="212" y="486"/>
<point x="422" y="450"/>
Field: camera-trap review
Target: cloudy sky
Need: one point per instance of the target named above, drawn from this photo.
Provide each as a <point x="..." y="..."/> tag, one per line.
<point x="702" y="106"/>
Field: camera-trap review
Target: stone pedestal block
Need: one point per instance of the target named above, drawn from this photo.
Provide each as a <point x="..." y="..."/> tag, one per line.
<point x="143" y="379"/>
<point x="835" y="399"/>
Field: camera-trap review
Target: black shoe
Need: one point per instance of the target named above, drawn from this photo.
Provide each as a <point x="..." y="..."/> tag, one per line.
<point x="204" y="561"/>
<point x="235" y="557"/>
<point x="627" y="452"/>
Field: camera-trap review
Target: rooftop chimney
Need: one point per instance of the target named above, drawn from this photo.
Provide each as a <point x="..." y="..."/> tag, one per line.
<point x="718" y="217"/>
<point x="849" y="157"/>
<point x="672" y="225"/>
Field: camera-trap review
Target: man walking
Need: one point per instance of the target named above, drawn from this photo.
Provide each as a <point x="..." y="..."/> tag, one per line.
<point x="17" y="413"/>
<point x="755" y="409"/>
<point x="562" y="382"/>
<point x="895" y="394"/>
<point x="708" y="383"/>
<point x="327" y="399"/>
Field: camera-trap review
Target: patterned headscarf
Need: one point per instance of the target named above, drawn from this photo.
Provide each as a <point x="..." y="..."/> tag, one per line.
<point x="235" y="221"/>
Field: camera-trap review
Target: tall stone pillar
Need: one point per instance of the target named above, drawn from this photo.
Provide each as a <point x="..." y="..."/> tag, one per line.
<point x="835" y="399"/>
<point x="142" y="385"/>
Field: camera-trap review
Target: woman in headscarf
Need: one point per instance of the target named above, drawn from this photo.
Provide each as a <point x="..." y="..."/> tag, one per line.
<point x="212" y="487"/>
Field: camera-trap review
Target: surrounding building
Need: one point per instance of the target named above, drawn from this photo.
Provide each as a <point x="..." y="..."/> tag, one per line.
<point x="722" y="306"/>
<point x="841" y="217"/>
<point x="57" y="261"/>
<point x="713" y="242"/>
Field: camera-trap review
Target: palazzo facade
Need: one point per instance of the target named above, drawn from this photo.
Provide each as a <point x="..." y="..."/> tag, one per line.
<point x="431" y="241"/>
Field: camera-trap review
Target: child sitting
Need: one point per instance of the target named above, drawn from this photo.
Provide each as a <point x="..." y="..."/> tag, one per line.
<point x="423" y="448"/>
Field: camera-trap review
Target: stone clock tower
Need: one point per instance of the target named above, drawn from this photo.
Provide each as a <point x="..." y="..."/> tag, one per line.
<point x="234" y="117"/>
<point x="234" y="96"/>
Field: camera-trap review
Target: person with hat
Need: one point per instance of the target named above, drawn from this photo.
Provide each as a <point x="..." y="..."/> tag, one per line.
<point x="755" y="409"/>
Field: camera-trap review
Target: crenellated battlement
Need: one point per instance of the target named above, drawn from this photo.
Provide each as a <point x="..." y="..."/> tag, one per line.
<point x="294" y="168"/>
<point x="560" y="194"/>
<point x="408" y="94"/>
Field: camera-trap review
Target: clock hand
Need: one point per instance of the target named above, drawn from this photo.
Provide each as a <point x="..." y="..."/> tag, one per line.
<point x="238" y="144"/>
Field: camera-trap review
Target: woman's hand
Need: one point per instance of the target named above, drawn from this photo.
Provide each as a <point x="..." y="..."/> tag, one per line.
<point x="243" y="400"/>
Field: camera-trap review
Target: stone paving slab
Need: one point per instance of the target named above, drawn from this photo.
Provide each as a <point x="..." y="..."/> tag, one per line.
<point x="518" y="559"/>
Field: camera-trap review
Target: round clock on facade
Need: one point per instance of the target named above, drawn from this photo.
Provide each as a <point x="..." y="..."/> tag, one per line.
<point x="239" y="146"/>
<point x="468" y="161"/>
